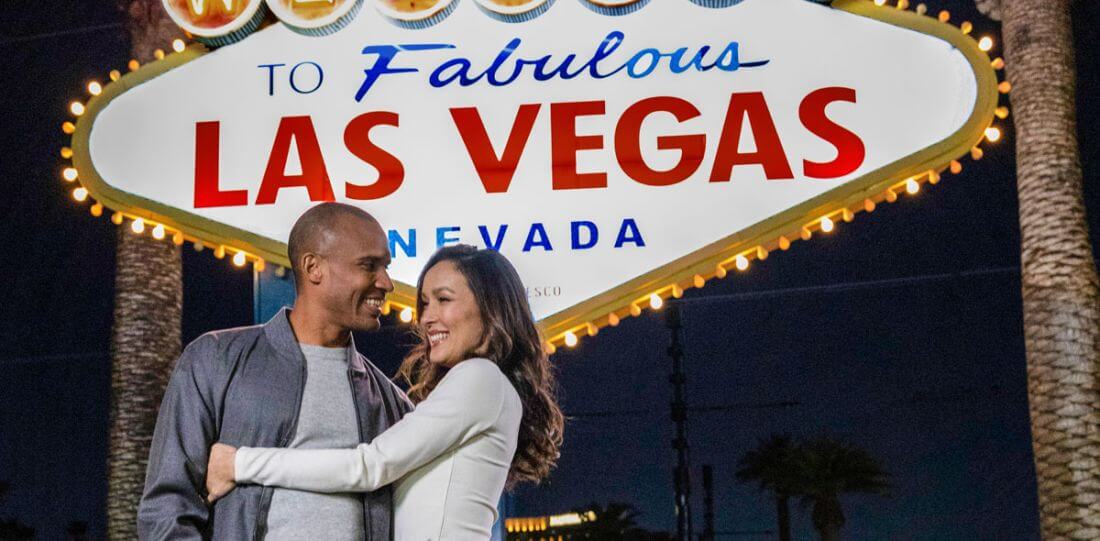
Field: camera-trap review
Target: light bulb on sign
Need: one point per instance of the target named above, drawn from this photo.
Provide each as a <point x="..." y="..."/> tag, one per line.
<point x="80" y="194"/>
<point x="137" y="226"/>
<point x="741" y="262"/>
<point x="827" y="225"/>
<point x="76" y="108"/>
<point x="570" y="339"/>
<point x="94" y="88"/>
<point x="985" y="44"/>
<point x="406" y="314"/>
<point x="178" y="45"/>
<point x="655" y="301"/>
<point x="158" y="232"/>
<point x="912" y="187"/>
<point x="239" y="259"/>
<point x="69" y="174"/>
<point x="993" y="134"/>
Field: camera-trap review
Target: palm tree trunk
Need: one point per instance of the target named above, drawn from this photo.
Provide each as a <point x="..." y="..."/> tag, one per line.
<point x="783" y="513"/>
<point x="1060" y="286"/>
<point x="145" y="338"/>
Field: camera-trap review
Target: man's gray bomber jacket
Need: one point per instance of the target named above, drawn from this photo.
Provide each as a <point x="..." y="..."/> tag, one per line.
<point x="243" y="387"/>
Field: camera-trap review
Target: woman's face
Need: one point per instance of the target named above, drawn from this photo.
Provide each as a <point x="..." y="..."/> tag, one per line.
<point x="450" y="316"/>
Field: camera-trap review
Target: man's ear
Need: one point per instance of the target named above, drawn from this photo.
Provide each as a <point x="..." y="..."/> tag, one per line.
<point x="312" y="268"/>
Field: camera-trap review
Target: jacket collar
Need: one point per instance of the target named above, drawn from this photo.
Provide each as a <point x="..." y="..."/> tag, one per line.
<point x="281" y="336"/>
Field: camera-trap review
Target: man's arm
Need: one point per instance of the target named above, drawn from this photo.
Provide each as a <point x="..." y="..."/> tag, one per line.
<point x="173" y="505"/>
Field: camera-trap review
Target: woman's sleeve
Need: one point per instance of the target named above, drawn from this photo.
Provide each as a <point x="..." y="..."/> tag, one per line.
<point x="465" y="404"/>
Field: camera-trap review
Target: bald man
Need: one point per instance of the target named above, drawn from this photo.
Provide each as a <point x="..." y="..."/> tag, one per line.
<point x="295" y="381"/>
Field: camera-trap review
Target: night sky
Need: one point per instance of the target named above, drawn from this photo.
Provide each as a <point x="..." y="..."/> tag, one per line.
<point x="900" y="332"/>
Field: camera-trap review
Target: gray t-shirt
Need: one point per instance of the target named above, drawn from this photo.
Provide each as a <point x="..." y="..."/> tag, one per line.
<point x="326" y="420"/>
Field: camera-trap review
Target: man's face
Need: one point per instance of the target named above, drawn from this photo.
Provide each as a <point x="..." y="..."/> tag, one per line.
<point x="355" y="282"/>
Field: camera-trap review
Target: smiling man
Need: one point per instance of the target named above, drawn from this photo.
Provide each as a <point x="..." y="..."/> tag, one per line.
<point x="296" y="381"/>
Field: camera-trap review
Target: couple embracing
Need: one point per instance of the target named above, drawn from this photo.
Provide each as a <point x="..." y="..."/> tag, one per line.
<point x="284" y="431"/>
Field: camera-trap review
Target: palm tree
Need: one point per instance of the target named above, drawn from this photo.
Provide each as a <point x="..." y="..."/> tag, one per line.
<point x="1061" y="292"/>
<point x="145" y="338"/>
<point x="773" y="466"/>
<point x="829" y="468"/>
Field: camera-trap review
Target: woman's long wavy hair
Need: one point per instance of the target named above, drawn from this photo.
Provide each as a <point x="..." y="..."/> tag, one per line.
<point x="513" y="342"/>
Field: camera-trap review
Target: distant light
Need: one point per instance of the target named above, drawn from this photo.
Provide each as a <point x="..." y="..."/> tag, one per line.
<point x="993" y="134"/>
<point x="656" y="302"/>
<point x="80" y="194"/>
<point x="158" y="232"/>
<point x="406" y="314"/>
<point x="985" y="44"/>
<point x="570" y="339"/>
<point x="239" y="259"/>
<point x="138" y="226"/>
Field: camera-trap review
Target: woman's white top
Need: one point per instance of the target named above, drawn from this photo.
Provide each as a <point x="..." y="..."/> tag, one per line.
<point x="449" y="458"/>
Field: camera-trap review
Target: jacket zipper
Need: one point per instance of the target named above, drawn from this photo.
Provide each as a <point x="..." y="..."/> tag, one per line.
<point x="359" y="427"/>
<point x="266" y="494"/>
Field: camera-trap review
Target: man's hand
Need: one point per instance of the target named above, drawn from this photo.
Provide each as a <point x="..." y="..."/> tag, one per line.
<point x="220" y="474"/>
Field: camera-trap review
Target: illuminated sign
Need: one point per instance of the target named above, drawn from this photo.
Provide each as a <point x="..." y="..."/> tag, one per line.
<point x="617" y="152"/>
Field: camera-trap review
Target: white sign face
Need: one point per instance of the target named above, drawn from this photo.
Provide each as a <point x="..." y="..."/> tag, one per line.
<point x="593" y="150"/>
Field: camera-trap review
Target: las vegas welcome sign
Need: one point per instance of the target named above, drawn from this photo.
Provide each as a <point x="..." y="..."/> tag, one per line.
<point x="617" y="151"/>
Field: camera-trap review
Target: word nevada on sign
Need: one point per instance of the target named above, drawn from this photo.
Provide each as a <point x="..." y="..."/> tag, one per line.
<point x="616" y="152"/>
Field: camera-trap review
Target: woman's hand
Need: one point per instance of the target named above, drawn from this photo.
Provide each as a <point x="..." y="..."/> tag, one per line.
<point x="220" y="474"/>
